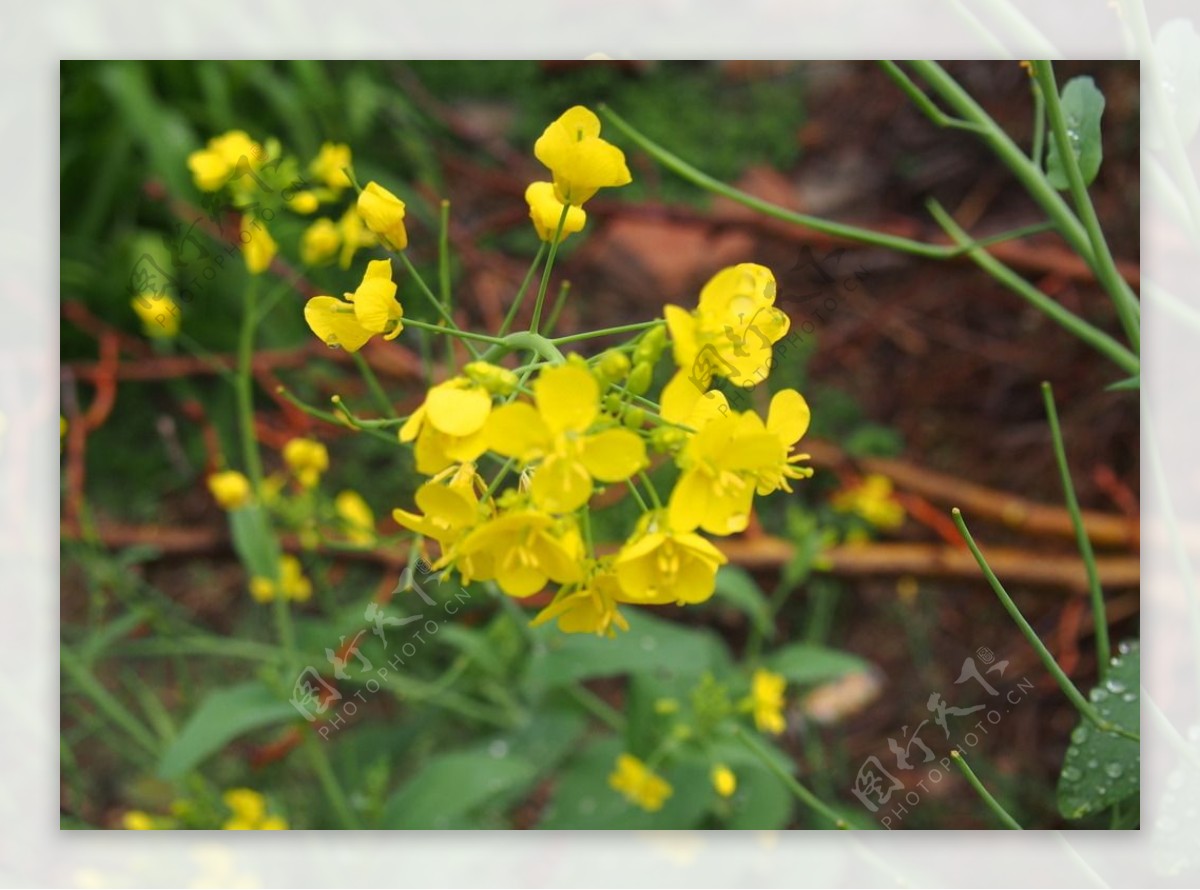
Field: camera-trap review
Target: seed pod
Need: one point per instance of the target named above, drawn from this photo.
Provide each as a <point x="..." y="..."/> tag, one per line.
<point x="613" y="366"/>
<point x="634" y="417"/>
<point x="639" y="378"/>
<point x="651" y="345"/>
<point x="612" y="403"/>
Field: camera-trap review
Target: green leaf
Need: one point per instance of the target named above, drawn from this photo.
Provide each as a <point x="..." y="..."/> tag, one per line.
<point x="1082" y="105"/>
<point x="583" y="799"/>
<point x="806" y="663"/>
<point x="450" y="786"/>
<point x="1134" y="383"/>
<point x="254" y="542"/>
<point x="222" y="717"/>
<point x="738" y="588"/>
<point x="1102" y="768"/>
<point x="650" y="644"/>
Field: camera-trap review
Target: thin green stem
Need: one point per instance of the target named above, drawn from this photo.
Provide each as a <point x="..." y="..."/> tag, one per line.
<point x="598" y="707"/>
<point x="637" y="496"/>
<point x="984" y="795"/>
<point x="465" y="336"/>
<point x="502" y="346"/>
<point x="1064" y="682"/>
<point x="604" y="332"/>
<point x="840" y="230"/>
<point x="1037" y="152"/>
<point x="245" y="386"/>
<point x="511" y="315"/>
<point x="545" y="282"/>
<point x="654" y="498"/>
<point x="802" y="794"/>
<point x="927" y="106"/>
<point x="444" y="272"/>
<point x="1104" y="265"/>
<point x="1100" y="618"/>
<point x="106" y="702"/>
<point x="377" y="391"/>
<point x="451" y="324"/>
<point x="319" y="761"/>
<point x="564" y="290"/>
<point x="341" y="420"/>
<point x="1093" y="336"/>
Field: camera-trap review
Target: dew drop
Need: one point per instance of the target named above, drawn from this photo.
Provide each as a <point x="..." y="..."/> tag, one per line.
<point x="1093" y="763"/>
<point x="1129" y="697"/>
<point x="1098" y="695"/>
<point x="1080" y="735"/>
<point x="1115" y="686"/>
<point x="1071" y="774"/>
<point x="649" y="643"/>
<point x="1114" y="770"/>
<point x="1102" y="790"/>
<point x="498" y="748"/>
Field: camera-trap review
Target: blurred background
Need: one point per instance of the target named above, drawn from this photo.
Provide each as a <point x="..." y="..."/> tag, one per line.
<point x="923" y="372"/>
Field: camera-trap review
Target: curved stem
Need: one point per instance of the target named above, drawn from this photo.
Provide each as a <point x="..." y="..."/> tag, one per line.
<point x="502" y="346"/>
<point x="802" y="794"/>
<point x="545" y="283"/>
<point x="511" y="316"/>
<point x="985" y="795"/>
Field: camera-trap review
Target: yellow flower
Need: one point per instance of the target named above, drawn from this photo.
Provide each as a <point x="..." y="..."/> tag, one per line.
<point x="212" y="165"/>
<point x="357" y="518"/>
<point x="546" y="210"/>
<point x="724" y="780"/>
<point x="731" y="458"/>
<point x="354" y="235"/>
<point x="136" y="820"/>
<point x="592" y="608"/>
<point x="383" y="213"/>
<point x="873" y="500"/>
<point x="258" y="247"/>
<point x="639" y="784"/>
<point x="304" y="203"/>
<point x="582" y="162"/>
<point x="293" y="584"/>
<point x="523" y="549"/>
<point x="307" y="459"/>
<point x="449" y="503"/>
<point x="159" y="314"/>
<point x="555" y="435"/>
<point x="329" y="165"/>
<point x="230" y="489"/>
<point x="320" y="242"/>
<point x="660" y="565"/>
<point x="249" y="812"/>
<point x="372" y="309"/>
<point x="733" y="329"/>
<point x="766" y="696"/>
<point x="449" y="425"/>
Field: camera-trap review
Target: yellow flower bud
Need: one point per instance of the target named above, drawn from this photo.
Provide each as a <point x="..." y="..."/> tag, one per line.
<point x="304" y="202"/>
<point x="320" y="242"/>
<point x="258" y="247"/>
<point x="307" y="458"/>
<point x="724" y="780"/>
<point x="159" y="314"/>
<point x="383" y="213"/>
<point x="230" y="489"/>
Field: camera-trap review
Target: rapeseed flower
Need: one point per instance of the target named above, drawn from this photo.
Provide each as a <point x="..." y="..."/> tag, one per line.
<point x="724" y="780"/>
<point x="556" y="434"/>
<point x="640" y="785"/>
<point x="330" y="164"/>
<point x="660" y="565"/>
<point x="448" y="428"/>
<point x="582" y="162"/>
<point x="159" y="314"/>
<point x="358" y="521"/>
<point x="383" y="213"/>
<point x="258" y="247"/>
<point x="320" y="242"/>
<point x="546" y="210"/>
<point x="355" y="236"/>
<point x="230" y="489"/>
<point x="292" y="584"/>
<point x="212" y="165"/>
<point x="873" y="499"/>
<point x="249" y="812"/>
<point x="766" y="700"/>
<point x="591" y="607"/>
<point x="307" y="459"/>
<point x="522" y="549"/>
<point x="372" y="309"/>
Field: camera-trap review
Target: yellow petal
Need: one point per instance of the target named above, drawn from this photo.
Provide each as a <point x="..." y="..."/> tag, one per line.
<point x="561" y="484"/>
<point x="788" y="416"/>
<point x="333" y="321"/>
<point x="681" y="324"/>
<point x="614" y="455"/>
<point x="517" y="430"/>
<point x="375" y="305"/>
<point x="683" y="402"/>
<point x="458" y="411"/>
<point x="568" y="398"/>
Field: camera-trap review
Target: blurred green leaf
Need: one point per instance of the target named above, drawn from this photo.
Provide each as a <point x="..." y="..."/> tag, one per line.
<point x="254" y="542"/>
<point x="449" y="786"/>
<point x="223" y="716"/>
<point x="806" y="663"/>
<point x="1103" y="768"/>
<point x="737" y="587"/>
<point x="1082" y="105"/>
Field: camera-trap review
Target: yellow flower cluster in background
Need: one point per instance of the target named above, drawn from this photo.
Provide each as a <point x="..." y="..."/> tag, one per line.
<point x="873" y="500"/>
<point x="640" y="785"/>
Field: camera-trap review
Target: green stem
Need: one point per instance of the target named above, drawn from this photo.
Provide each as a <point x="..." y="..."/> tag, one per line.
<point x="1104" y="265"/>
<point x="511" y="315"/>
<point x="545" y="282"/>
<point x="637" y="496"/>
<point x="1093" y="336"/>
<point x="1099" y="617"/>
<point x="106" y="702"/>
<point x="377" y="391"/>
<point x="465" y="336"/>
<point x="451" y="324"/>
<point x="1064" y="682"/>
<point x="598" y="707"/>
<point x="896" y="74"/>
<point x="444" y="272"/>
<point x="502" y="346"/>
<point x="604" y="332"/>
<point x="802" y="794"/>
<point x="654" y="498"/>
<point x="840" y="230"/>
<point x="367" y="426"/>
<point x="245" y="384"/>
<point x="1037" y="152"/>
<point x="984" y="794"/>
<point x="319" y="761"/>
<point x="560" y="301"/>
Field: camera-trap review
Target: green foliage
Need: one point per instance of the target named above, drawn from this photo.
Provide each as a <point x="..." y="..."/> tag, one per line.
<point x="1082" y="105"/>
<point x="1101" y="769"/>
